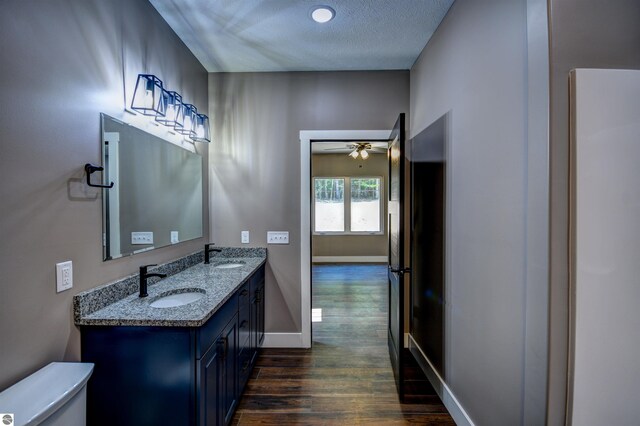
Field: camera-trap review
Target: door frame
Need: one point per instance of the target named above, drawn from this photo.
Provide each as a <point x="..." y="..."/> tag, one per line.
<point x="306" y="138"/>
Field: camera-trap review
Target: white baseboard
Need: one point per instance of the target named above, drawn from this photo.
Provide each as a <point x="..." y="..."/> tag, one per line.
<point x="283" y="340"/>
<point x="449" y="400"/>
<point x="350" y="259"/>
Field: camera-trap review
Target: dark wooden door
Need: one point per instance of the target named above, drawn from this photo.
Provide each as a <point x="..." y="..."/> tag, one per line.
<point x="396" y="262"/>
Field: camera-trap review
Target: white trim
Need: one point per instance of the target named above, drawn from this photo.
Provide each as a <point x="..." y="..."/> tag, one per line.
<point x="283" y="340"/>
<point x="350" y="259"/>
<point x="459" y="415"/>
<point x="541" y="378"/>
<point x="306" y="136"/>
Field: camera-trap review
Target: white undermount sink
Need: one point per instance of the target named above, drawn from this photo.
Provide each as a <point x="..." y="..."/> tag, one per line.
<point x="178" y="299"/>
<point x="229" y="265"/>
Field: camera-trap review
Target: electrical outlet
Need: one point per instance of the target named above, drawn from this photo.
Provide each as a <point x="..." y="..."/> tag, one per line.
<point x="142" y="238"/>
<point x="64" y="276"/>
<point x="244" y="237"/>
<point x="278" y="237"/>
<point x="174" y="237"/>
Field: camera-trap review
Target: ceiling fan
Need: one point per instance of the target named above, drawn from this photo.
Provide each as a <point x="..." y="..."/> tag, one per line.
<point x="360" y="149"/>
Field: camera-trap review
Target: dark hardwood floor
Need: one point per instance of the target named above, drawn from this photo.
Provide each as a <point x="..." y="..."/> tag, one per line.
<point x="345" y="378"/>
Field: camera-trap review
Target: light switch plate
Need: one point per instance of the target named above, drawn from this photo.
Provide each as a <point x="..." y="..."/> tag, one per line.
<point x="244" y="237"/>
<point x="142" y="238"/>
<point x="278" y="237"/>
<point x="64" y="276"/>
<point x="174" y="237"/>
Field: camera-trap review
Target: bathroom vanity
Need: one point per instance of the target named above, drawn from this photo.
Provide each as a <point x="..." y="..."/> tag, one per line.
<point x="178" y="365"/>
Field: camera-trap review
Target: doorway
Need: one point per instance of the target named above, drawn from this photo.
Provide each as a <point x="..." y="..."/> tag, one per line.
<point x="349" y="243"/>
<point x="306" y="139"/>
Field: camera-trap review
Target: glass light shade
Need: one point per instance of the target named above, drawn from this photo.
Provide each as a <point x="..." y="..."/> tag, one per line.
<point x="202" y="129"/>
<point x="173" y="110"/>
<point x="354" y="154"/>
<point x="148" y="96"/>
<point x="188" y="127"/>
<point x="364" y="154"/>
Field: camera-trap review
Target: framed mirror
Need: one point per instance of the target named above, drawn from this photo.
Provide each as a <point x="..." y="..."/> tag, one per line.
<point x="156" y="199"/>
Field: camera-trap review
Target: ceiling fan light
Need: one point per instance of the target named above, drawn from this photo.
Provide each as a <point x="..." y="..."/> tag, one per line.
<point x="354" y="154"/>
<point x="364" y="154"/>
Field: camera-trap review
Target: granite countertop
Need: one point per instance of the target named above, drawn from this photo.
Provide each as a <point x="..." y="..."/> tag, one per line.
<point x="219" y="284"/>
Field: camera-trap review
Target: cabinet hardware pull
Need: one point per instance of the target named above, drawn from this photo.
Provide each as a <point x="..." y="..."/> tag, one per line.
<point x="244" y="292"/>
<point x="243" y="323"/>
<point x="223" y="344"/>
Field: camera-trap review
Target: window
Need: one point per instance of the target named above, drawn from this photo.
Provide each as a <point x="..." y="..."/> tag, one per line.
<point x="329" y="205"/>
<point x="365" y="205"/>
<point x="344" y="205"/>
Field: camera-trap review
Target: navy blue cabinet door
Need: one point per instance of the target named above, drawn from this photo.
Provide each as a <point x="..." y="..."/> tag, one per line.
<point x="228" y="363"/>
<point x="260" y="314"/>
<point x="209" y="370"/>
<point x="217" y="378"/>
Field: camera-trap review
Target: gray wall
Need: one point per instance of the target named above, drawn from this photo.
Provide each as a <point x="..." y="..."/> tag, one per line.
<point x="62" y="64"/>
<point x="255" y="170"/>
<point x="475" y="67"/>
<point x="584" y="34"/>
<point x="327" y="165"/>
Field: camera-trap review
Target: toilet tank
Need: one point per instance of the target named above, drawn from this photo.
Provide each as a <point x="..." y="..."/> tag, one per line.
<point x="52" y="396"/>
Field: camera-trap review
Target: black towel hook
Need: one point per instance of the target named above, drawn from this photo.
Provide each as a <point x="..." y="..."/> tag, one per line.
<point x="90" y="169"/>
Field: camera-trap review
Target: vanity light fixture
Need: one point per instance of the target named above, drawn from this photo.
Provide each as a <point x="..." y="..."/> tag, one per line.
<point x="174" y="113"/>
<point x="189" y="122"/>
<point x="151" y="98"/>
<point x="322" y="14"/>
<point x="202" y="129"/>
<point x="147" y="97"/>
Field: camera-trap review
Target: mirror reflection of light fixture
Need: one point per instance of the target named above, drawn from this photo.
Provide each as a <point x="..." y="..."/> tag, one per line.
<point x="147" y="97"/>
<point x="360" y="149"/>
<point x="151" y="98"/>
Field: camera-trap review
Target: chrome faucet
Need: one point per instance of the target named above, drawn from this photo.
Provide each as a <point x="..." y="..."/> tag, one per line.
<point x="143" y="279"/>
<point x="208" y="250"/>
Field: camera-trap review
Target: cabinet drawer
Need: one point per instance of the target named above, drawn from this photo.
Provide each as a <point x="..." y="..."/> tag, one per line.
<point x="206" y="335"/>
<point x="244" y="296"/>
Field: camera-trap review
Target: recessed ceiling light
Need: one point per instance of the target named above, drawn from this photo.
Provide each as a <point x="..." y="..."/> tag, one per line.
<point x="322" y="14"/>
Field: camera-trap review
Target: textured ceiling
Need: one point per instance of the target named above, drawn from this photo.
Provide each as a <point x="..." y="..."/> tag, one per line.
<point x="279" y="35"/>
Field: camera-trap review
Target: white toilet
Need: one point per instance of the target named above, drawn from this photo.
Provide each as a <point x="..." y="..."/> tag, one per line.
<point x="55" y="395"/>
